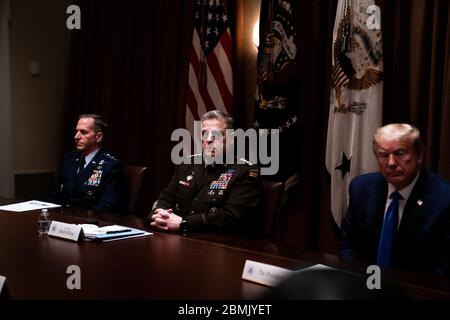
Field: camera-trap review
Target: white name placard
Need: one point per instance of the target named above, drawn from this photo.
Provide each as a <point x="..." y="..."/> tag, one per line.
<point x="65" y="230"/>
<point x="2" y="282"/>
<point x="262" y="273"/>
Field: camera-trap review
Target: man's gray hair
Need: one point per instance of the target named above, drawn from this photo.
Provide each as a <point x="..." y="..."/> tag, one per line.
<point x="100" y="124"/>
<point x="400" y="131"/>
<point x="219" y="115"/>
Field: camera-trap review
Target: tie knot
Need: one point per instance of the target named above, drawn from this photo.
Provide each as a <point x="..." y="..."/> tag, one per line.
<point x="396" y="195"/>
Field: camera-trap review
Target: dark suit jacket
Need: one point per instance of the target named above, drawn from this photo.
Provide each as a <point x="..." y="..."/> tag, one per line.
<point x="100" y="186"/>
<point x="220" y="197"/>
<point x="423" y="238"/>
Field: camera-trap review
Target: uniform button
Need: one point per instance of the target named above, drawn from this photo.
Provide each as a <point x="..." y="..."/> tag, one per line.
<point x="212" y="210"/>
<point x="192" y="212"/>
<point x="195" y="200"/>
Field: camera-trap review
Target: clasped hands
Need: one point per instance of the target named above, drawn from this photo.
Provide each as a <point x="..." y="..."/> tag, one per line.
<point x="166" y="220"/>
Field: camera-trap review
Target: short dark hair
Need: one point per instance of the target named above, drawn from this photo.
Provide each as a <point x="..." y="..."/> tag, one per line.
<point x="219" y="115"/>
<point x="100" y="124"/>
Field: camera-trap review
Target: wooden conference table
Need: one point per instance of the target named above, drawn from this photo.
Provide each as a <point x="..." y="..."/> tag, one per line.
<point x="160" y="266"/>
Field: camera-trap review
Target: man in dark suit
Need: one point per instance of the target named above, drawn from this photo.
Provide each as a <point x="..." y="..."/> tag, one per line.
<point x="90" y="177"/>
<point x="205" y="195"/>
<point x="420" y="210"/>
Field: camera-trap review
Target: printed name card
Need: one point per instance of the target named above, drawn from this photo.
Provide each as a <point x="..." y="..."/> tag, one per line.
<point x="2" y="282"/>
<point x="262" y="273"/>
<point x="65" y="230"/>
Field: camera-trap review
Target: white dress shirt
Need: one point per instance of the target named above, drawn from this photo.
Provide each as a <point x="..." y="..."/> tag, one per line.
<point x="405" y="193"/>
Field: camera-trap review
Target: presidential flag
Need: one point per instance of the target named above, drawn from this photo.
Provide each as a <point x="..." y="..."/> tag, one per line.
<point x="276" y="105"/>
<point x="356" y="97"/>
<point x="210" y="69"/>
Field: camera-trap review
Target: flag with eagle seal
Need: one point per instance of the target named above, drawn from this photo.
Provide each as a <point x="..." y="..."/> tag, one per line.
<point x="356" y="98"/>
<point x="276" y="94"/>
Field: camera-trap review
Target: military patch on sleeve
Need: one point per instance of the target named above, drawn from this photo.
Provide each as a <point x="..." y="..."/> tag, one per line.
<point x="254" y="173"/>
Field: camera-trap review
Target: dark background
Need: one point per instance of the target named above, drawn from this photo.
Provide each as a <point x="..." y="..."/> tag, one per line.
<point x="129" y="63"/>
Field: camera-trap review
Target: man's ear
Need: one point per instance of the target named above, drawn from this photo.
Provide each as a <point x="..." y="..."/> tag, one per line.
<point x="99" y="137"/>
<point x="420" y="158"/>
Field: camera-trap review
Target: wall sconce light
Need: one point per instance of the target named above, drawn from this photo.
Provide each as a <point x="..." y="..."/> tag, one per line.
<point x="256" y="34"/>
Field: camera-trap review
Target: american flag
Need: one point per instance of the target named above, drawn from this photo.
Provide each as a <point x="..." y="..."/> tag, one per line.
<point x="210" y="71"/>
<point x="356" y="100"/>
<point x="338" y="76"/>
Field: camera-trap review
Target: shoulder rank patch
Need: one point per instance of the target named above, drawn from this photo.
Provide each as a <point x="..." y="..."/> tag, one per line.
<point x="110" y="156"/>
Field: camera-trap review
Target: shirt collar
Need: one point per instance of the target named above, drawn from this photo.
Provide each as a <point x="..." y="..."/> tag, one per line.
<point x="90" y="156"/>
<point x="406" y="191"/>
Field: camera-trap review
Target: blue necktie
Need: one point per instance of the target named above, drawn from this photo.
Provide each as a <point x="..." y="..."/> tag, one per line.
<point x="81" y="164"/>
<point x="387" y="239"/>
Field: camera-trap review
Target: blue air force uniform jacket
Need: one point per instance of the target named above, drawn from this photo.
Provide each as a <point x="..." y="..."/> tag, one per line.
<point x="100" y="186"/>
<point x="225" y="197"/>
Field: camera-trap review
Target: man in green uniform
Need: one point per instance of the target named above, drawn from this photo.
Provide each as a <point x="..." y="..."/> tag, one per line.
<point x="208" y="195"/>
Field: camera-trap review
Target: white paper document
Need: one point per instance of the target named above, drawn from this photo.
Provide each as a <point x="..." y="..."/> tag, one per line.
<point x="29" y="205"/>
<point x="110" y="233"/>
<point x="2" y="282"/>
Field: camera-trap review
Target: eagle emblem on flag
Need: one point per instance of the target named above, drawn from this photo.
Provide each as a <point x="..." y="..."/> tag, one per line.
<point x="277" y="65"/>
<point x="357" y="55"/>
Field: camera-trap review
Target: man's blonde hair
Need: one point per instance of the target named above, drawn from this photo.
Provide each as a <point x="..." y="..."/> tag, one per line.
<point x="400" y="131"/>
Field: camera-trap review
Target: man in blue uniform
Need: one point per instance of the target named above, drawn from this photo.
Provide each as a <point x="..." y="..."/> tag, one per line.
<point x="90" y="177"/>
<point x="211" y="196"/>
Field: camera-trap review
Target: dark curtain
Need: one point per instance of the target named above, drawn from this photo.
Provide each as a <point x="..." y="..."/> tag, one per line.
<point x="306" y="221"/>
<point x="416" y="37"/>
<point x="129" y="64"/>
<point x="417" y="68"/>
